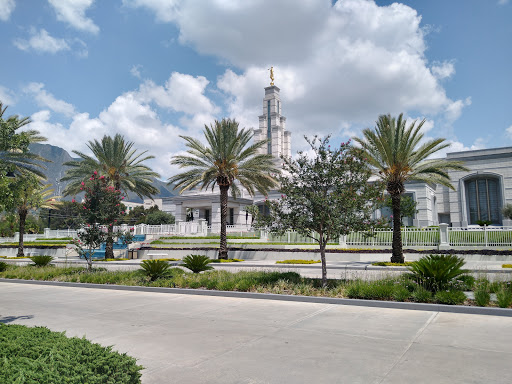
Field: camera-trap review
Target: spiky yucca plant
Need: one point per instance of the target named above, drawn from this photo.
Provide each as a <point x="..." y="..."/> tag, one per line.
<point x="397" y="154"/>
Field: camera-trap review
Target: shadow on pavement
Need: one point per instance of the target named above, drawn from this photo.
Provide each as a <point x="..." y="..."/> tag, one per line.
<point x="9" y="319"/>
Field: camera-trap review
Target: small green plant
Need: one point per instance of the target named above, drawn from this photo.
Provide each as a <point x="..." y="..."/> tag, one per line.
<point x="293" y="261"/>
<point x="197" y="263"/>
<point x="506" y="266"/>
<point x="437" y="272"/>
<point x="41" y="260"/>
<point x="38" y="355"/>
<point x="450" y="297"/>
<point x="421" y="295"/>
<point x="3" y="266"/>
<point x="155" y="269"/>
<point x="401" y="293"/>
<point x="504" y="296"/>
<point x="389" y="264"/>
<point x="482" y="294"/>
<point x="226" y="260"/>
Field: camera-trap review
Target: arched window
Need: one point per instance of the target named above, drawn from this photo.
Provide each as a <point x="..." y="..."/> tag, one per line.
<point x="483" y="200"/>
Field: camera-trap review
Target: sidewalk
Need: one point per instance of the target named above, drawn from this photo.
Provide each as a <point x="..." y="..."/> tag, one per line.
<point x="205" y="339"/>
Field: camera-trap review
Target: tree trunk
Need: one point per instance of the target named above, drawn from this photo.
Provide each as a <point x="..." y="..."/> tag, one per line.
<point x="324" y="263"/>
<point x="109" y="244"/>
<point x="397" y="254"/>
<point x="23" y="217"/>
<point x="223" y="249"/>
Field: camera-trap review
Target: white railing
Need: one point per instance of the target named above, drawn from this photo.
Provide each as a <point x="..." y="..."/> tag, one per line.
<point x="488" y="236"/>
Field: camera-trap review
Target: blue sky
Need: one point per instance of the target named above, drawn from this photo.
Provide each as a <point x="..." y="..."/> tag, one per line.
<point x="156" y="69"/>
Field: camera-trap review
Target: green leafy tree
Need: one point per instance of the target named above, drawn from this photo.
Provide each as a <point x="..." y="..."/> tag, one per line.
<point x="90" y="237"/>
<point x="15" y="156"/>
<point x="68" y="216"/>
<point x="407" y="206"/>
<point x="324" y="196"/>
<point x="29" y="194"/>
<point x="507" y="211"/>
<point x="397" y="154"/>
<point x="138" y="215"/>
<point x="159" y="217"/>
<point x="122" y="166"/>
<point x="227" y="162"/>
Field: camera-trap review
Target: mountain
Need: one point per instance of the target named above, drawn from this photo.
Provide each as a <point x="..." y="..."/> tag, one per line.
<point x="56" y="170"/>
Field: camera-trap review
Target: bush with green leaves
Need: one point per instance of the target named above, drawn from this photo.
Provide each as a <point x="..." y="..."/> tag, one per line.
<point x="450" y="297"/>
<point x="155" y="269"/>
<point x="482" y="294"/>
<point x="3" y="266"/>
<point x="41" y="260"/>
<point x="421" y="295"/>
<point x="38" y="355"/>
<point x="437" y="272"/>
<point x="504" y="296"/>
<point x="197" y="263"/>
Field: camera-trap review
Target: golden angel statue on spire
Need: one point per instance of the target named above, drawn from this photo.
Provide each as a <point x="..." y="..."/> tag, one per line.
<point x="271" y="75"/>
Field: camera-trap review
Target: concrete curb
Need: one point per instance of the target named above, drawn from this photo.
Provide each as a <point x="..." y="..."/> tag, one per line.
<point x="490" y="311"/>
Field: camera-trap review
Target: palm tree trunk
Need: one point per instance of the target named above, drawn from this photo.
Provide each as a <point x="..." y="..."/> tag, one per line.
<point x="23" y="217"/>
<point x="223" y="249"/>
<point x="397" y="255"/>
<point x="109" y="244"/>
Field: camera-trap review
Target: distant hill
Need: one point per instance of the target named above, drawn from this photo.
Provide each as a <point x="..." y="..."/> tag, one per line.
<point x="56" y="170"/>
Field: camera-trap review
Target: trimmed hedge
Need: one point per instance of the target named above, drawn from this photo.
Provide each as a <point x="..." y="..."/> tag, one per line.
<point x="38" y="355"/>
<point x="298" y="261"/>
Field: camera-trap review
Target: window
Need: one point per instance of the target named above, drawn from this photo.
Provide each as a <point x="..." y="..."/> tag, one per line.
<point x="269" y="131"/>
<point x="231" y="216"/>
<point x="483" y="200"/>
<point x="207" y="216"/>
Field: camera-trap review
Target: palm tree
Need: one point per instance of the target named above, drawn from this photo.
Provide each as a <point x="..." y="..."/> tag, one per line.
<point x="31" y="194"/>
<point x="397" y="155"/>
<point x="121" y="165"/>
<point x="15" y="157"/>
<point x="226" y="159"/>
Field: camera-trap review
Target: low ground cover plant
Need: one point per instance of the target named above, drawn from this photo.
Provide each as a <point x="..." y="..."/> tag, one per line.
<point x="3" y="266"/>
<point x="38" y="355"/>
<point x="41" y="260"/>
<point x="506" y="266"/>
<point x="226" y="260"/>
<point x="197" y="263"/>
<point x="168" y="259"/>
<point x="292" y="261"/>
<point x="390" y="264"/>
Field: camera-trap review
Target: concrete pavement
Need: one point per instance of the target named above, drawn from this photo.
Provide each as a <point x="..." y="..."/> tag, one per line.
<point x="204" y="339"/>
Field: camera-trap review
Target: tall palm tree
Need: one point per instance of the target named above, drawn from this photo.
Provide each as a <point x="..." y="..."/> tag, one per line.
<point x="396" y="153"/>
<point x="226" y="159"/>
<point x="15" y="157"/>
<point x="31" y="194"/>
<point x="121" y="165"/>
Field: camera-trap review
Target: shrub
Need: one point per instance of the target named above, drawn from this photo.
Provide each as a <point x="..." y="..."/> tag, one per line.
<point x="504" y="297"/>
<point x="226" y="260"/>
<point x="197" y="263"/>
<point x="42" y="260"/>
<point x="421" y="295"/>
<point x="506" y="266"/>
<point x="155" y="269"/>
<point x="298" y="261"/>
<point x="400" y="293"/>
<point x="37" y="355"/>
<point x="3" y="266"/>
<point x="437" y="272"/>
<point x="388" y="264"/>
<point x="463" y="283"/>
<point x="482" y="294"/>
<point x="450" y="297"/>
<point x="371" y="290"/>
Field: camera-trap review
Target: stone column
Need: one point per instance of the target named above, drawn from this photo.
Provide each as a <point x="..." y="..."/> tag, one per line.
<point x="215" y="217"/>
<point x="444" y="239"/>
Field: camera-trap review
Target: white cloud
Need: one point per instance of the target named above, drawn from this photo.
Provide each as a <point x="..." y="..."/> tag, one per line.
<point x="503" y="2"/>
<point x="509" y="131"/>
<point x="7" y="97"/>
<point x="42" y="42"/>
<point x="47" y="100"/>
<point x="135" y="71"/>
<point x="443" y="70"/>
<point x="73" y="13"/>
<point x="165" y="10"/>
<point x="6" y="8"/>
<point x="454" y="109"/>
<point x="181" y="93"/>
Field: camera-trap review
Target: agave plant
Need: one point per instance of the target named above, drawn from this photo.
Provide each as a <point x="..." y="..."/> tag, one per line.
<point x="197" y="263"/>
<point x="437" y="272"/>
<point x="155" y="269"/>
<point x="41" y="260"/>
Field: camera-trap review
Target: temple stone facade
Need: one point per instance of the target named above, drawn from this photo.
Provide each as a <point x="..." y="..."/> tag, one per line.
<point x="273" y="126"/>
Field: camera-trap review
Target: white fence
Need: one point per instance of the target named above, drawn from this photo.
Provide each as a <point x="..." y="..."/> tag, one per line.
<point x="442" y="237"/>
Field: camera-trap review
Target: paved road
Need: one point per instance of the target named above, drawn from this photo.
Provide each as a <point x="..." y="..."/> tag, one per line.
<point x="202" y="339"/>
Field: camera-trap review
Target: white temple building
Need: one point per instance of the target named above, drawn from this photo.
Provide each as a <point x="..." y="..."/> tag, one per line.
<point x="479" y="194"/>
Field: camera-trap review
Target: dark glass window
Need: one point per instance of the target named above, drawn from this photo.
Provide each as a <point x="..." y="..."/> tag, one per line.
<point x="269" y="131"/>
<point x="207" y="216"/>
<point x="483" y="200"/>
